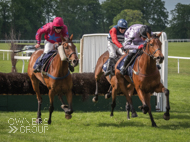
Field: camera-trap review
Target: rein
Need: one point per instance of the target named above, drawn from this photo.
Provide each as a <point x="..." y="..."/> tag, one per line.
<point x="150" y="55"/>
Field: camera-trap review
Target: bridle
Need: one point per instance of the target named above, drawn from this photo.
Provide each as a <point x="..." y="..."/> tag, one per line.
<point x="68" y="58"/>
<point x="152" y="54"/>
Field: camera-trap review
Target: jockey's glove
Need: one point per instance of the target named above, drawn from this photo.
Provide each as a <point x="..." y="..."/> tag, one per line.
<point x="141" y="46"/>
<point x="122" y="48"/>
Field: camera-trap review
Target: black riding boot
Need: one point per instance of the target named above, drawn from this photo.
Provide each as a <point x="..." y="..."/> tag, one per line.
<point x="109" y="64"/>
<point x="127" y="60"/>
<point x="37" y="69"/>
<point x="71" y="68"/>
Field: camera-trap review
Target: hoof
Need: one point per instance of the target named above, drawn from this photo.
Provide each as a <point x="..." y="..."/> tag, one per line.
<point x="154" y="125"/>
<point x="39" y="120"/>
<point x="166" y="116"/>
<point x="95" y="99"/>
<point x="68" y="116"/>
<point x="107" y="96"/>
<point x="49" y="121"/>
<point x="134" y="114"/>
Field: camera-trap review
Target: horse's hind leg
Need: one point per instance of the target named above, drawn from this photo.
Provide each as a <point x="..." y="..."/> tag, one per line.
<point x="35" y="85"/>
<point x="51" y="108"/>
<point x="95" y="98"/>
<point x="161" y="88"/>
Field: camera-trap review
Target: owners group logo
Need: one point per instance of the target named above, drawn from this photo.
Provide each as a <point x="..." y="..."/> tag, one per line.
<point x="22" y="125"/>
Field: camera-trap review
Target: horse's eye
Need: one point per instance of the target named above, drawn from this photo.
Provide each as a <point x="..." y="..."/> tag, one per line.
<point x="151" y="44"/>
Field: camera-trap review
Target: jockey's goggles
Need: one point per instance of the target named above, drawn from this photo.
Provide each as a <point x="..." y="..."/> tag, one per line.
<point x="122" y="28"/>
<point x="58" y="27"/>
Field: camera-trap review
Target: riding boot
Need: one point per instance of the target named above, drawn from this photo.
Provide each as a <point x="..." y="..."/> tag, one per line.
<point x="37" y="69"/>
<point x="109" y="64"/>
<point x="71" y="68"/>
<point x="126" y="63"/>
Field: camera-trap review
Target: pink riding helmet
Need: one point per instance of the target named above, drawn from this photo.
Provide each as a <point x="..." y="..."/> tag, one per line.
<point x="58" y="22"/>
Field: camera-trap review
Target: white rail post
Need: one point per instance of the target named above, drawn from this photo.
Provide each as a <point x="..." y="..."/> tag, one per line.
<point x="23" y="66"/>
<point x="178" y="65"/>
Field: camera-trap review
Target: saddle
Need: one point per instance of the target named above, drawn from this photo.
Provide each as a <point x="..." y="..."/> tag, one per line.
<point x="104" y="67"/>
<point x="46" y="61"/>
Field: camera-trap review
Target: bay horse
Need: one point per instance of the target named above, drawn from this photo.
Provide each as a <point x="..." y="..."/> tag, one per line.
<point x="113" y="91"/>
<point x="58" y="78"/>
<point x="146" y="77"/>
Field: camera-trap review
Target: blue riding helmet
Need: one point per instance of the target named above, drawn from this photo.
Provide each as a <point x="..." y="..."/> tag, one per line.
<point x="122" y="23"/>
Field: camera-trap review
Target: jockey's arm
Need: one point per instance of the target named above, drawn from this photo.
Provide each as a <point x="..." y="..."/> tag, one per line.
<point x="113" y="34"/>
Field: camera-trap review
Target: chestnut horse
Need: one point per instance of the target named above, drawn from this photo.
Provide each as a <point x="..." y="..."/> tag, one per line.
<point x="58" y="79"/>
<point x="146" y="77"/>
<point x="112" y="90"/>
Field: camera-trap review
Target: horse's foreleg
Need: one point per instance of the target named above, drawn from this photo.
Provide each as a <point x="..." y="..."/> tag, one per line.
<point x="161" y="88"/>
<point x="63" y="105"/>
<point x="144" y="106"/>
<point x="108" y="95"/>
<point x="114" y="93"/>
<point x="35" y="85"/>
<point x="95" y="98"/>
<point x="149" y="112"/>
<point x="69" y="110"/>
<point x="51" y="108"/>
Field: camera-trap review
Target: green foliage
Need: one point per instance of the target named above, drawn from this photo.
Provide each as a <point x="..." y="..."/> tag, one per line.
<point x="131" y="16"/>
<point x="180" y="22"/>
<point x="155" y="13"/>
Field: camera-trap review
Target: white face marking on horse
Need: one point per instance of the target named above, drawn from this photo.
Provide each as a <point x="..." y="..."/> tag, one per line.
<point x="69" y="44"/>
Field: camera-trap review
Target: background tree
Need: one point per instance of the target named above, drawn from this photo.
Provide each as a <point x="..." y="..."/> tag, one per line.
<point x="180" y="22"/>
<point x="131" y="16"/>
<point x="4" y="17"/>
<point x="81" y="16"/>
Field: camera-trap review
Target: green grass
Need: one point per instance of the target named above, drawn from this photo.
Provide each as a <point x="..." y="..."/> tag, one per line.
<point x="100" y="127"/>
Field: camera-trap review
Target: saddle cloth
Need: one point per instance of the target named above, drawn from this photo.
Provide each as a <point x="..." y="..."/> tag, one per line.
<point x="45" y="59"/>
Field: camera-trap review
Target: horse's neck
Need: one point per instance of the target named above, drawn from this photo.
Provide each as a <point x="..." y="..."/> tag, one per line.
<point x="148" y="64"/>
<point x="61" y="67"/>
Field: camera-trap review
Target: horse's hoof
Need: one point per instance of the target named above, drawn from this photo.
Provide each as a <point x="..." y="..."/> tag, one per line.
<point x="134" y="115"/>
<point x="38" y="120"/>
<point x="94" y="99"/>
<point x="49" y="121"/>
<point x="107" y="96"/>
<point x="154" y="125"/>
<point x="68" y="116"/>
<point x="166" y="116"/>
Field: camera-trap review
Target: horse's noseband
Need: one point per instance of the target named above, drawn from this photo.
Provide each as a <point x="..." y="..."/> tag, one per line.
<point x="68" y="58"/>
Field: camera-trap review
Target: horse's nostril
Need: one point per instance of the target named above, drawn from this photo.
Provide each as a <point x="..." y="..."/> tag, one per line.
<point x="75" y="62"/>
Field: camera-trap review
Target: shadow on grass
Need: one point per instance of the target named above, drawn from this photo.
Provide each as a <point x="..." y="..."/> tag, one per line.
<point x="122" y="124"/>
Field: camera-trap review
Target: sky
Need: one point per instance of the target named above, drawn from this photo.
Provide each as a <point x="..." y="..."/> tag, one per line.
<point x="169" y="4"/>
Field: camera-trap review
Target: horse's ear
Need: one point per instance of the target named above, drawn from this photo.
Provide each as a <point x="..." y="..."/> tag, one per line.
<point x="71" y="37"/>
<point x="148" y="35"/>
<point x="62" y="38"/>
<point x="158" y="35"/>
